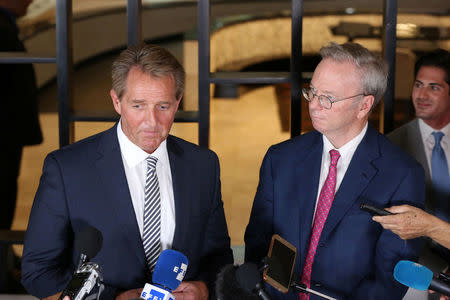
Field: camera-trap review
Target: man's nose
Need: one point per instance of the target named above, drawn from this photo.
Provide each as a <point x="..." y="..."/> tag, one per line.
<point x="151" y="116"/>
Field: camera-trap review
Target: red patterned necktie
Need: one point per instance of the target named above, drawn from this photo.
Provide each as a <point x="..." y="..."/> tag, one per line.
<point x="323" y="207"/>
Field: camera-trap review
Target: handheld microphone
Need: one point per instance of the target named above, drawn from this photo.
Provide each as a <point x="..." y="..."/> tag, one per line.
<point x="419" y="277"/>
<point x="227" y="287"/>
<point x="169" y="271"/>
<point x="87" y="275"/>
<point x="250" y="279"/>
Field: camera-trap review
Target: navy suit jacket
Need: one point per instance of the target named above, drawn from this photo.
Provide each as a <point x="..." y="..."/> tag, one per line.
<point x="355" y="257"/>
<point x="84" y="184"/>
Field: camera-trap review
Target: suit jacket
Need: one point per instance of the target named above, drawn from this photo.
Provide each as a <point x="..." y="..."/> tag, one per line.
<point x="19" y="92"/>
<point x="355" y="257"/>
<point x="85" y="184"/>
<point x="409" y="138"/>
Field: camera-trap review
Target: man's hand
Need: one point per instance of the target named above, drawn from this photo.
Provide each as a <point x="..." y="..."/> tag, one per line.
<point x="408" y="222"/>
<point x="130" y="294"/>
<point x="191" y="290"/>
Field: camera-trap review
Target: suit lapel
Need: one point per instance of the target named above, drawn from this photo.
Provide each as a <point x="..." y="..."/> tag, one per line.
<point x="416" y="146"/>
<point x="181" y="191"/>
<point x="109" y="166"/>
<point x="359" y="173"/>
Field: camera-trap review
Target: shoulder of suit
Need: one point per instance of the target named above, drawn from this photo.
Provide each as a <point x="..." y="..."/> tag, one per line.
<point x="402" y="130"/>
<point x="395" y="151"/>
<point x="298" y="144"/>
<point x="181" y="146"/>
<point x="85" y="145"/>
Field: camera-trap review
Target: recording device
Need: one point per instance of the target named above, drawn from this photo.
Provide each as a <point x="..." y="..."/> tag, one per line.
<point x="250" y="279"/>
<point x="169" y="271"/>
<point x="421" y="278"/>
<point x="281" y="261"/>
<point x="280" y="266"/>
<point x="88" y="274"/>
<point x="375" y="211"/>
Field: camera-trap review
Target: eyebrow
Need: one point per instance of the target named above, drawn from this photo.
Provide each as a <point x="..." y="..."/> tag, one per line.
<point x="432" y="83"/>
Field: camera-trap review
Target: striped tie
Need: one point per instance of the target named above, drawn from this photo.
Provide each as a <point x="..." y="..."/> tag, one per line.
<point x="152" y="215"/>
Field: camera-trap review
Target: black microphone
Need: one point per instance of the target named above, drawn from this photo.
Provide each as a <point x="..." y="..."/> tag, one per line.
<point x="250" y="279"/>
<point x="88" y="243"/>
<point x="87" y="275"/>
<point x="227" y="287"/>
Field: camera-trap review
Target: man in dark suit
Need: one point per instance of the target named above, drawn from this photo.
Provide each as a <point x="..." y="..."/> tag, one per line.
<point x="311" y="187"/>
<point x="431" y="100"/>
<point x="112" y="180"/>
<point x="19" y="122"/>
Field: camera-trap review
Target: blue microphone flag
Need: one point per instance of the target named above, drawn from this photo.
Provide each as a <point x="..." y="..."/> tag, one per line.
<point x="413" y="275"/>
<point x="170" y="269"/>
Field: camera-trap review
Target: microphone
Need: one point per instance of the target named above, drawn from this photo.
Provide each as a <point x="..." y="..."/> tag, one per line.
<point x="250" y="279"/>
<point x="87" y="275"/>
<point x="169" y="271"/>
<point x="227" y="287"/>
<point x="419" y="277"/>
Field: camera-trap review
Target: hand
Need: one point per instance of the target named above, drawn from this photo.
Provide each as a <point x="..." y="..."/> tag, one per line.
<point x="130" y="294"/>
<point x="191" y="290"/>
<point x="442" y="296"/>
<point x="408" y="222"/>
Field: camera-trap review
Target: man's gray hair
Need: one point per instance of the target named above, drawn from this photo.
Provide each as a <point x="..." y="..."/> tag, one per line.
<point x="373" y="69"/>
<point x="151" y="60"/>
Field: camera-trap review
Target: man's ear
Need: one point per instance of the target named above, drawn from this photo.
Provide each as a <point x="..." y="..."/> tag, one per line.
<point x="365" y="106"/>
<point x="116" y="101"/>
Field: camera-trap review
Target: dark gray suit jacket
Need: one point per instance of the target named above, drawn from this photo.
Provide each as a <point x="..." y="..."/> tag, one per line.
<point x="409" y="138"/>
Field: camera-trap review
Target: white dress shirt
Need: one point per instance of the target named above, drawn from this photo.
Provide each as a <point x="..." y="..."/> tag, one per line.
<point x="428" y="141"/>
<point x="346" y="152"/>
<point x="135" y="164"/>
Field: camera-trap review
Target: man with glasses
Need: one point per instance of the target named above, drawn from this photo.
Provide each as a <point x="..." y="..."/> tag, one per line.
<point x="311" y="187"/>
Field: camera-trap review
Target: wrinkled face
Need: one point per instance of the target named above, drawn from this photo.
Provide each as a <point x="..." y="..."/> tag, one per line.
<point x="147" y="109"/>
<point x="337" y="80"/>
<point x="430" y="95"/>
<point x="16" y="7"/>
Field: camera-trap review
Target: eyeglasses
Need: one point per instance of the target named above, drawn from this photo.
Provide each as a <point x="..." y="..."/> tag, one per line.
<point x="325" y="101"/>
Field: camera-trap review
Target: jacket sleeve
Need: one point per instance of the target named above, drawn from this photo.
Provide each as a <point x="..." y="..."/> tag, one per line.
<point x="46" y="261"/>
<point x="260" y="228"/>
<point x="216" y="251"/>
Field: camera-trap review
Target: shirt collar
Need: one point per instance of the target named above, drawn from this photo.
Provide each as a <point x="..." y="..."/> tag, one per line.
<point x="133" y="155"/>
<point x="349" y="147"/>
<point x="427" y="131"/>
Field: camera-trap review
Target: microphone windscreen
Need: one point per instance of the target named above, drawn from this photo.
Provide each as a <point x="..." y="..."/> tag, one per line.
<point x="413" y="275"/>
<point x="248" y="276"/>
<point x="227" y="288"/>
<point x="89" y="241"/>
<point x="170" y="269"/>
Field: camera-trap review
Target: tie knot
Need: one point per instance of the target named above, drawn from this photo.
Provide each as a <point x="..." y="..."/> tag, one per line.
<point x="151" y="162"/>
<point x="334" y="154"/>
<point x="437" y="137"/>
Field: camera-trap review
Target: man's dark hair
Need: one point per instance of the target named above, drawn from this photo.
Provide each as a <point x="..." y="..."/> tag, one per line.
<point x="438" y="58"/>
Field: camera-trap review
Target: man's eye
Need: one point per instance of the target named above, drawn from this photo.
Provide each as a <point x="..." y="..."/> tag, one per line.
<point x="417" y="85"/>
<point x="435" y="88"/>
<point x="137" y="106"/>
